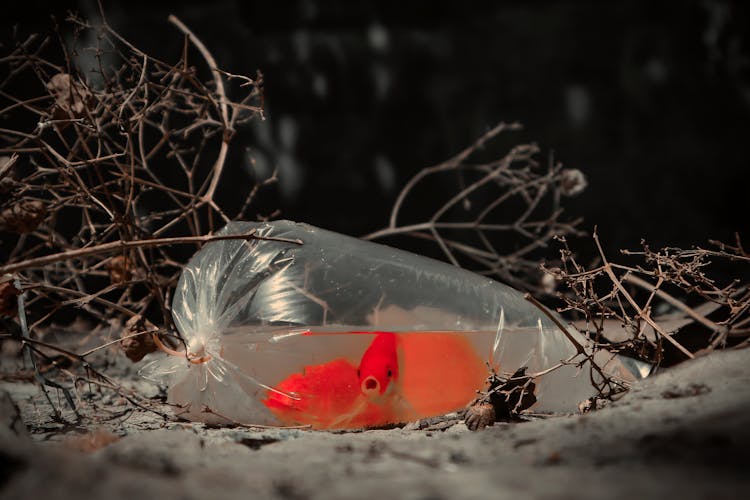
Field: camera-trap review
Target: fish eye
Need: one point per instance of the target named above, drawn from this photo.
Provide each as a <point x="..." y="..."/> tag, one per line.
<point x="389" y="373"/>
<point x="358" y="375"/>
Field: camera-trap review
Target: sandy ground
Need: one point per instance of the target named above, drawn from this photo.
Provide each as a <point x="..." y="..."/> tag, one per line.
<point x="684" y="433"/>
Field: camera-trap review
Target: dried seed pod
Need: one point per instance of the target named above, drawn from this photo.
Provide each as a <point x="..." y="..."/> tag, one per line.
<point x="70" y="96"/>
<point x="23" y="216"/>
<point x="137" y="347"/>
<point x="479" y="415"/>
<point x="572" y="182"/>
<point x="8" y="300"/>
<point x="120" y="269"/>
<point x="592" y="404"/>
<point x="549" y="283"/>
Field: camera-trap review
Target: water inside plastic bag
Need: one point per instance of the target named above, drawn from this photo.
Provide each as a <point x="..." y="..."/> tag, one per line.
<point x="303" y="326"/>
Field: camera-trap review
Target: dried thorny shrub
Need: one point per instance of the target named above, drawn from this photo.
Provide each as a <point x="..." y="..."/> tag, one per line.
<point x="639" y="309"/>
<point x="104" y="172"/>
<point x="662" y="305"/>
<point x="502" y="215"/>
<point x="501" y="219"/>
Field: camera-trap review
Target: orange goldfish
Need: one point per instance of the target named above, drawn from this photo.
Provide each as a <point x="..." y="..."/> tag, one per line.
<point x="379" y="367"/>
<point x="400" y="377"/>
<point x="317" y="396"/>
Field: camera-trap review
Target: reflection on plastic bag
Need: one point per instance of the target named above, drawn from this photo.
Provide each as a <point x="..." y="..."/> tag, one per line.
<point x="305" y="326"/>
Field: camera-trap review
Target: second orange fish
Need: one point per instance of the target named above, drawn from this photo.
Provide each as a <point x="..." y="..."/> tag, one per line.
<point x="400" y="377"/>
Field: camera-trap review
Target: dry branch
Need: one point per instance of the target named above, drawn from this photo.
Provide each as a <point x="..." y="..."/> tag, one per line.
<point x="105" y="173"/>
<point x="508" y="199"/>
<point x="653" y="296"/>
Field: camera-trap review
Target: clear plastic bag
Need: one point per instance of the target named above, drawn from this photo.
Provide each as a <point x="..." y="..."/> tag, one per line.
<point x="306" y="326"/>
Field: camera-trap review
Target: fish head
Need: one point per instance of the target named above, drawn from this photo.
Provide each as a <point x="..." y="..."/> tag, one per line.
<point x="378" y="369"/>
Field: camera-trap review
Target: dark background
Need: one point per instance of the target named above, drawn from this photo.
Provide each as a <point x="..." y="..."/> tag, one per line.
<point x="650" y="99"/>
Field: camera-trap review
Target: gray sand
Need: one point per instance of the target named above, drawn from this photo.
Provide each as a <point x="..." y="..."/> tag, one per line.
<point x="684" y="433"/>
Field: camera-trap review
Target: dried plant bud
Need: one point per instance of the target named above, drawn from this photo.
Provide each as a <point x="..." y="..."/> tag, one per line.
<point x="138" y="346"/>
<point x="8" y="298"/>
<point x="504" y="399"/>
<point x="70" y="96"/>
<point x="549" y="283"/>
<point x="120" y="269"/>
<point x="572" y="182"/>
<point x="479" y="415"/>
<point x="23" y="216"/>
